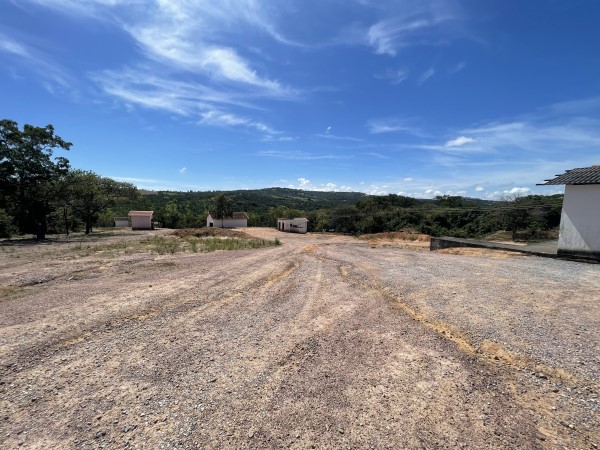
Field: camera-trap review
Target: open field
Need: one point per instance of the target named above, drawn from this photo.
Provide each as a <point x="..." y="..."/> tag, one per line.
<point x="323" y="342"/>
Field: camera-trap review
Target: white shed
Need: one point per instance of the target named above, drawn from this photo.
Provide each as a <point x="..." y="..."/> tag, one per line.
<point x="141" y="220"/>
<point x="121" y="222"/>
<point x="236" y="220"/>
<point x="296" y="225"/>
<point x="580" y="217"/>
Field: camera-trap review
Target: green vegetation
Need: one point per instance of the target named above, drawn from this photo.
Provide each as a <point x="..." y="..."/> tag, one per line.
<point x="41" y="194"/>
<point x="163" y="245"/>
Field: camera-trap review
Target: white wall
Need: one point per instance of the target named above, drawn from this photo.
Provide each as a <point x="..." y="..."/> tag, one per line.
<point x="227" y="223"/>
<point x="580" y="220"/>
<point x="293" y="225"/>
<point x="141" y="222"/>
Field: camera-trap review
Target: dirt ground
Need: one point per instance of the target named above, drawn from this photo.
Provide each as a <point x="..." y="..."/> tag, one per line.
<point x="323" y="342"/>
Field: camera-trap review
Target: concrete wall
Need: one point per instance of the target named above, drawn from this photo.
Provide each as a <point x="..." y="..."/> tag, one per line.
<point x="141" y="222"/>
<point x="293" y="225"/>
<point x="580" y="221"/>
<point x="227" y="223"/>
<point x="121" y="222"/>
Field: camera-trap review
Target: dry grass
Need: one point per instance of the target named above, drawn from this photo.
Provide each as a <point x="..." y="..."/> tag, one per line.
<point x="403" y="235"/>
<point x="210" y="232"/>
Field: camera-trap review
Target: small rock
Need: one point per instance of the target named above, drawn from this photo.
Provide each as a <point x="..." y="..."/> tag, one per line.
<point x="251" y="433"/>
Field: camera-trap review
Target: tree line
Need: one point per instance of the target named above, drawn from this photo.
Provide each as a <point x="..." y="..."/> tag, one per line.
<point x="40" y="194"/>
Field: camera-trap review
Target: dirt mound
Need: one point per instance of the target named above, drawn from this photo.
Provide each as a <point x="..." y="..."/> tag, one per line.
<point x="403" y="235"/>
<point x="210" y="232"/>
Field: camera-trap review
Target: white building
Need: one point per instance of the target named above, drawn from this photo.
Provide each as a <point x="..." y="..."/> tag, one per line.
<point x="141" y="220"/>
<point x="296" y="225"/>
<point x="580" y="217"/>
<point x="237" y="220"/>
<point x="121" y="222"/>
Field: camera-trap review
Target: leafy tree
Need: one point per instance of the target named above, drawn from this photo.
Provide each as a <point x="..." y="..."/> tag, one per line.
<point x="28" y="174"/>
<point x="170" y="215"/>
<point x="222" y="207"/>
<point x="88" y="194"/>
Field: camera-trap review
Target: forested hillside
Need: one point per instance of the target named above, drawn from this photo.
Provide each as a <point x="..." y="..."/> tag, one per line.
<point x="40" y="194"/>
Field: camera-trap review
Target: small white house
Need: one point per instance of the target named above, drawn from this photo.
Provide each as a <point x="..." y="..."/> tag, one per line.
<point x="236" y="220"/>
<point x="296" y="225"/>
<point x="141" y="220"/>
<point x="580" y="217"/>
<point x="121" y="222"/>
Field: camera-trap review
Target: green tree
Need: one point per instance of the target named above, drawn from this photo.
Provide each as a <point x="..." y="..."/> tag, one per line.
<point x="222" y="207"/>
<point x="28" y="174"/>
<point x="88" y="194"/>
<point x="170" y="215"/>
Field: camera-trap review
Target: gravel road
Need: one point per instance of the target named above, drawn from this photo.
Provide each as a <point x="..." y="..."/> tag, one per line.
<point x="323" y="342"/>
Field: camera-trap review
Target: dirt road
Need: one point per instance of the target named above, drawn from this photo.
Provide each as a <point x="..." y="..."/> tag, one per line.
<point x="322" y="342"/>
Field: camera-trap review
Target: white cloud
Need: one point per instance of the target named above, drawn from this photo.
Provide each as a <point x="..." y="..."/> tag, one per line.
<point x="426" y="75"/>
<point x="189" y="64"/>
<point x="408" y="179"/>
<point x="53" y="76"/>
<point x="459" y="141"/>
<point x="219" y="118"/>
<point x="394" y="76"/>
<point x="479" y="189"/>
<point x="378" y="155"/>
<point x="517" y="191"/>
<point x="296" y="155"/>
<point x="392" y="125"/>
<point x="339" y="138"/>
<point x="303" y="182"/>
<point x="457" y="68"/>
<point x="183" y="170"/>
<point x="414" y="23"/>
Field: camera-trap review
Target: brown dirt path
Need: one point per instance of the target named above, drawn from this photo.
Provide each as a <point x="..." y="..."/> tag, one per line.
<point x="323" y="342"/>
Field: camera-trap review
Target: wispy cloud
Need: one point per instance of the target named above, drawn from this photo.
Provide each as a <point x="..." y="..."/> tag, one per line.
<point x="190" y="61"/>
<point x="378" y="155"/>
<point x="219" y="118"/>
<point x="426" y="75"/>
<point x="414" y="23"/>
<point x="457" y="68"/>
<point x="183" y="170"/>
<point x="459" y="141"/>
<point x="339" y="138"/>
<point x="53" y="76"/>
<point x="393" y="125"/>
<point x="393" y="76"/>
<point x="298" y="155"/>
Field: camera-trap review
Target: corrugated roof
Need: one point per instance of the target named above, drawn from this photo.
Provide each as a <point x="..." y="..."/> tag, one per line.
<point x="583" y="175"/>
<point x="239" y="215"/>
<point x="140" y="213"/>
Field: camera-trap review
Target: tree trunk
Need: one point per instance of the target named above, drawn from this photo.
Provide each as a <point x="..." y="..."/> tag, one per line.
<point x="41" y="229"/>
<point x="65" y="219"/>
<point x="88" y="225"/>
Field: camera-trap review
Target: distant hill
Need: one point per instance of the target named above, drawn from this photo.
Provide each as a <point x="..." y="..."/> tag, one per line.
<point x="257" y="201"/>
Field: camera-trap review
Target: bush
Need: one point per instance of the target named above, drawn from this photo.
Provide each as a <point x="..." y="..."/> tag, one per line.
<point x="7" y="229"/>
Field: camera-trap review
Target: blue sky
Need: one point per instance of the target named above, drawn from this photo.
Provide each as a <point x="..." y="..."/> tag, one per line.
<point x="481" y="98"/>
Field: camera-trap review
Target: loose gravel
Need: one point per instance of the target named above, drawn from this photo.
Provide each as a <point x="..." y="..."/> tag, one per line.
<point x="323" y="342"/>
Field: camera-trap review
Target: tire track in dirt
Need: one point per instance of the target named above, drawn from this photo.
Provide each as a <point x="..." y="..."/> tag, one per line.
<point x="510" y="367"/>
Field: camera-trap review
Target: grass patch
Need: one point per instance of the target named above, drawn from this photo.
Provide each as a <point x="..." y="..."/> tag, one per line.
<point x="86" y="250"/>
<point x="7" y="292"/>
<point x="212" y="244"/>
<point x="162" y="245"/>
